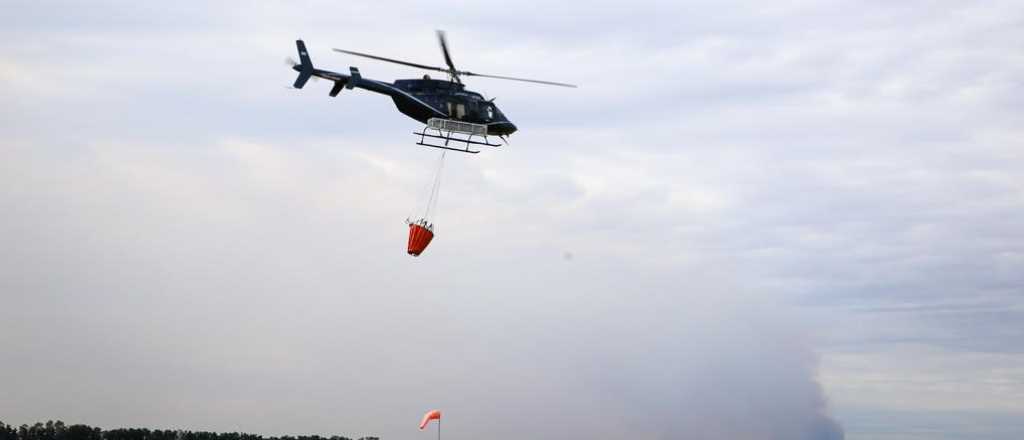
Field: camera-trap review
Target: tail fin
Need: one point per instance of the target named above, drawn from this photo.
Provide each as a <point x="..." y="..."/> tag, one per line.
<point x="305" y="66"/>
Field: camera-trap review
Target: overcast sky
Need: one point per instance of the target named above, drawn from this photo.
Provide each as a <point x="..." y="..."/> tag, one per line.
<point x="753" y="220"/>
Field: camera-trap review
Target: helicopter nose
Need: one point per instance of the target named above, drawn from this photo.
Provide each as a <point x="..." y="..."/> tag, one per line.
<point x="502" y="128"/>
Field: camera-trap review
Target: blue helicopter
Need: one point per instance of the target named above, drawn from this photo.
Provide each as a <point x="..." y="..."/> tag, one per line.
<point x="451" y="113"/>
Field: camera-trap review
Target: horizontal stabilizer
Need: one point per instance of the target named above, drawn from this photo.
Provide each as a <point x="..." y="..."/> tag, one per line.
<point x="338" y="85"/>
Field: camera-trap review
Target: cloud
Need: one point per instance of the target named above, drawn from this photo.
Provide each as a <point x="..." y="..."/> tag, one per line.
<point x="185" y="283"/>
<point x="740" y="187"/>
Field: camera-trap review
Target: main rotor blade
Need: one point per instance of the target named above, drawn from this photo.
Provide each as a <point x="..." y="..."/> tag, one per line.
<point x="404" y="63"/>
<point x="443" y="41"/>
<point x="537" y="81"/>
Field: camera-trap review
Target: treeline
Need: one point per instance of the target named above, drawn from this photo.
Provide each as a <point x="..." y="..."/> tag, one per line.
<point x="59" y="431"/>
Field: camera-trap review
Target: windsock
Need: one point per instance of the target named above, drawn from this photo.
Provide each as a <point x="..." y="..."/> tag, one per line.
<point x="430" y="415"/>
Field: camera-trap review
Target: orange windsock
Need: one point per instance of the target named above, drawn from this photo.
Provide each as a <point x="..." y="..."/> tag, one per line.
<point x="430" y="415"/>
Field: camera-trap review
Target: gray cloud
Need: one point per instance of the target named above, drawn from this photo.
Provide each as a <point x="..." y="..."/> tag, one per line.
<point x="185" y="227"/>
<point x="184" y="286"/>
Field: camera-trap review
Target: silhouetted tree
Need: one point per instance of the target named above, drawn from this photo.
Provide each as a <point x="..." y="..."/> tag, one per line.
<point x="7" y="432"/>
<point x="57" y="430"/>
<point x="84" y="432"/>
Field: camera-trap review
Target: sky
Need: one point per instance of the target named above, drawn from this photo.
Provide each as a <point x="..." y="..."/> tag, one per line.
<point x="753" y="220"/>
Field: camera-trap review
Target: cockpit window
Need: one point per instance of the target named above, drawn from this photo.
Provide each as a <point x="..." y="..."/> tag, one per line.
<point x="456" y="110"/>
<point x="490" y="112"/>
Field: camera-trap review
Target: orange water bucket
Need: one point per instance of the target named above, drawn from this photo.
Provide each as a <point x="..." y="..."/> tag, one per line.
<point x="419" y="238"/>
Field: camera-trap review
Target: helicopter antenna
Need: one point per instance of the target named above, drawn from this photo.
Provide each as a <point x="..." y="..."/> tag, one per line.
<point x="454" y="74"/>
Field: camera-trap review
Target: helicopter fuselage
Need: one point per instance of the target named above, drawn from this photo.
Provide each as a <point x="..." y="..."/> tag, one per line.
<point x="455" y="101"/>
<point x="420" y="99"/>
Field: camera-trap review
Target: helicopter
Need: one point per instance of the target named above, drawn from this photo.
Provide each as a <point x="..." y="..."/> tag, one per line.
<point x="450" y="111"/>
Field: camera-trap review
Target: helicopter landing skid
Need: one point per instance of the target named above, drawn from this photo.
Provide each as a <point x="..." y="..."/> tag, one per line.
<point x="450" y="136"/>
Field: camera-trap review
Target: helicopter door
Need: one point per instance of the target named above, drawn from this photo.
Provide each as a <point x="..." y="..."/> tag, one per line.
<point x="456" y="110"/>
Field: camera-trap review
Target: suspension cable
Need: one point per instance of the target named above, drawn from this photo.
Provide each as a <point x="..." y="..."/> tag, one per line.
<point x="435" y="188"/>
